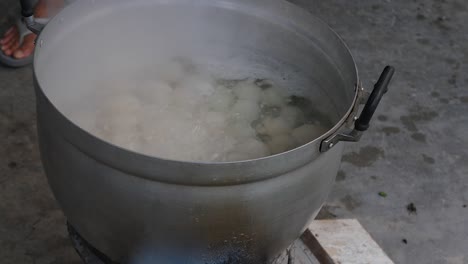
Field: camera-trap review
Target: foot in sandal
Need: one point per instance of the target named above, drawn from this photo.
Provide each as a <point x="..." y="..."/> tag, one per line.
<point x="17" y="43"/>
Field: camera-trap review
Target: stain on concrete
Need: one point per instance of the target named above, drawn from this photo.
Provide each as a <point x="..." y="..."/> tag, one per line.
<point x="12" y="164"/>
<point x="409" y="121"/>
<point x="464" y="99"/>
<point x="411" y="208"/>
<point x="382" y="118"/>
<point x="424" y="116"/>
<point x="428" y="159"/>
<point x="423" y="41"/>
<point x="450" y="61"/>
<point x="452" y="80"/>
<point x="373" y="177"/>
<point x="444" y="100"/>
<point x="435" y="94"/>
<point x="454" y="63"/>
<point x="420" y="17"/>
<point x="365" y="157"/>
<point x="341" y="176"/>
<point x="458" y="6"/>
<point x="390" y="130"/>
<point x="420" y="137"/>
<point x="350" y="203"/>
<point x="441" y="23"/>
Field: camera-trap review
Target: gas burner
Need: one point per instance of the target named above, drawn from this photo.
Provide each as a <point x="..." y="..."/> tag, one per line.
<point x="87" y="253"/>
<point x="91" y="255"/>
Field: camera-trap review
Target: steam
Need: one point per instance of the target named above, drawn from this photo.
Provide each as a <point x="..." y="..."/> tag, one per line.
<point x="108" y="68"/>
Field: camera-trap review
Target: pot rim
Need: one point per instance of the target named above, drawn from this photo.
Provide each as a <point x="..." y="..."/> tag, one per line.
<point x="195" y="173"/>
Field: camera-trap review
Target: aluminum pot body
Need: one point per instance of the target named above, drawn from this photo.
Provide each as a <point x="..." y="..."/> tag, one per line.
<point x="130" y="218"/>
<point x="137" y="208"/>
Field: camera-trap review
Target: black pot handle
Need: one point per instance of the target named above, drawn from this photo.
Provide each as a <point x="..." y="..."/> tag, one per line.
<point x="380" y="88"/>
<point x="27" y="8"/>
<point x="362" y="123"/>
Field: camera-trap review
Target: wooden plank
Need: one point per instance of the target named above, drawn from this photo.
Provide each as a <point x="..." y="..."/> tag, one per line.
<point x="297" y="253"/>
<point x="301" y="254"/>
<point x="343" y="242"/>
<point x="311" y="242"/>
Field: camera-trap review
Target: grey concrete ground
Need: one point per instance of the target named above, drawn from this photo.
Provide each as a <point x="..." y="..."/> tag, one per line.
<point x="416" y="151"/>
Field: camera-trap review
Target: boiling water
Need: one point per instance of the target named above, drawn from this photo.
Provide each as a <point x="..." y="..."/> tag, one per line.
<point x="182" y="113"/>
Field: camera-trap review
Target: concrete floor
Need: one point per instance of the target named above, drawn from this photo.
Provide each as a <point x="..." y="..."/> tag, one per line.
<point x="416" y="151"/>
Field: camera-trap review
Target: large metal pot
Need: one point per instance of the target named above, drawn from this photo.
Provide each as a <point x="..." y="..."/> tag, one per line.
<point x="133" y="207"/>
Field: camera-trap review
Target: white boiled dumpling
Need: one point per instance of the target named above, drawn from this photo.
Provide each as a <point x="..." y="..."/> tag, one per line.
<point x="124" y="124"/>
<point x="215" y="120"/>
<point x="118" y="86"/>
<point x="121" y="104"/>
<point x="171" y="71"/>
<point x="307" y="133"/>
<point x="250" y="149"/>
<point x="192" y="91"/>
<point x="292" y="115"/>
<point x="274" y="126"/>
<point x="273" y="97"/>
<point x="118" y="122"/>
<point x="221" y="100"/>
<point x="155" y="92"/>
<point x="84" y="119"/>
<point x="235" y="156"/>
<point x="219" y="147"/>
<point x="197" y="132"/>
<point x="246" y="110"/>
<point x="150" y="133"/>
<point x="185" y="115"/>
<point x="185" y="100"/>
<point x="200" y="85"/>
<point x="127" y="139"/>
<point x="280" y="143"/>
<point x="247" y="90"/>
<point x="241" y="130"/>
<point x="119" y="115"/>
